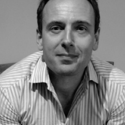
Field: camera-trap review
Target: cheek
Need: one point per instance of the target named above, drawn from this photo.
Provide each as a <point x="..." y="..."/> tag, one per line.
<point x="48" y="45"/>
<point x="85" y="45"/>
<point x="50" y="41"/>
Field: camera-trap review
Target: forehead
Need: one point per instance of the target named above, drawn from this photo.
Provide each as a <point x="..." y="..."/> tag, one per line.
<point x="68" y="10"/>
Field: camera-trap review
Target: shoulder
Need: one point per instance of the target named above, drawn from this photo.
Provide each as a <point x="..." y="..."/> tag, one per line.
<point x="112" y="81"/>
<point x="21" y="69"/>
<point x="107" y="70"/>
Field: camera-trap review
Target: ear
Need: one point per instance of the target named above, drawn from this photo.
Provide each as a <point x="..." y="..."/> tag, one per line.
<point x="39" y="41"/>
<point x="96" y="40"/>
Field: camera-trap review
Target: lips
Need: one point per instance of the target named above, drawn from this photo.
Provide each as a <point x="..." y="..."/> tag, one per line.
<point x="68" y="55"/>
<point x="67" y="59"/>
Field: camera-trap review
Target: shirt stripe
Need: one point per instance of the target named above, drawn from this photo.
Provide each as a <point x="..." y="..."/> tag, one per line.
<point x="27" y="96"/>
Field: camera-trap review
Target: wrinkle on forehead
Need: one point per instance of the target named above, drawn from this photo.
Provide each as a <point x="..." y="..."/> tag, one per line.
<point x="69" y="8"/>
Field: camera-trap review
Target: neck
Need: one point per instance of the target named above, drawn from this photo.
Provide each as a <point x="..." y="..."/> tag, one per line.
<point x="65" y="83"/>
<point x="65" y="87"/>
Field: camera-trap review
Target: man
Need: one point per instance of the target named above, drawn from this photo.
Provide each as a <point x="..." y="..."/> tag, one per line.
<point x="64" y="84"/>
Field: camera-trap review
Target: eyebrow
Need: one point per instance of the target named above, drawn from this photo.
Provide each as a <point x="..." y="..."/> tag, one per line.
<point x="60" y="23"/>
<point x="82" y="22"/>
<point x="55" y="23"/>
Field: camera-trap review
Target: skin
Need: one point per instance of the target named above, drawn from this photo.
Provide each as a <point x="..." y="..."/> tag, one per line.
<point x="68" y="40"/>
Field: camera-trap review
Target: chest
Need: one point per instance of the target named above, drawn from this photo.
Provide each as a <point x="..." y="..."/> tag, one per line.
<point x="44" y="109"/>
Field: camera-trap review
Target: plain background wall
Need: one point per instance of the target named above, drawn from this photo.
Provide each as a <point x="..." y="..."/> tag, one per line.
<point x="18" y="30"/>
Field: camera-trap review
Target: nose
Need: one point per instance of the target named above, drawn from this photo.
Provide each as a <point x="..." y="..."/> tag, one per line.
<point x="68" y="37"/>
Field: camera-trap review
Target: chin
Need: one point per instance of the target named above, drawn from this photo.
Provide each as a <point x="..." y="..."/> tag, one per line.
<point x="66" y="71"/>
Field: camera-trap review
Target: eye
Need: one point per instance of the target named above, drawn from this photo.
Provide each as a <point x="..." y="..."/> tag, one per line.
<point x="81" y="29"/>
<point x="56" y="29"/>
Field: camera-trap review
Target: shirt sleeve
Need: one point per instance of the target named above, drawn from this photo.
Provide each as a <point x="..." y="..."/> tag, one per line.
<point x="8" y="115"/>
<point x="118" y="114"/>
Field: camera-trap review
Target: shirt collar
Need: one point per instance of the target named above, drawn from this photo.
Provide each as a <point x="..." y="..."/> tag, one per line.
<point x="92" y="73"/>
<point x="40" y="73"/>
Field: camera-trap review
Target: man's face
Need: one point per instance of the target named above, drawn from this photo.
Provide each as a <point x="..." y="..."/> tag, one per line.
<point x="68" y="35"/>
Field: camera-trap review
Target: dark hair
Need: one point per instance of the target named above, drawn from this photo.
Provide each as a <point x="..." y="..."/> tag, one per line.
<point x="44" y="2"/>
<point x="95" y="6"/>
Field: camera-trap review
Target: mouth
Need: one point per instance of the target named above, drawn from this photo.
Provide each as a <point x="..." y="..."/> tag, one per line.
<point x="67" y="59"/>
<point x="68" y="55"/>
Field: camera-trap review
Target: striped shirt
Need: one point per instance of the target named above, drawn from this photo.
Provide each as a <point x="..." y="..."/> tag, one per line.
<point x="27" y="96"/>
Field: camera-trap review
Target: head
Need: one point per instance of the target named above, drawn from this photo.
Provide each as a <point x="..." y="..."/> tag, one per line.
<point x="69" y="32"/>
<point x="42" y="4"/>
